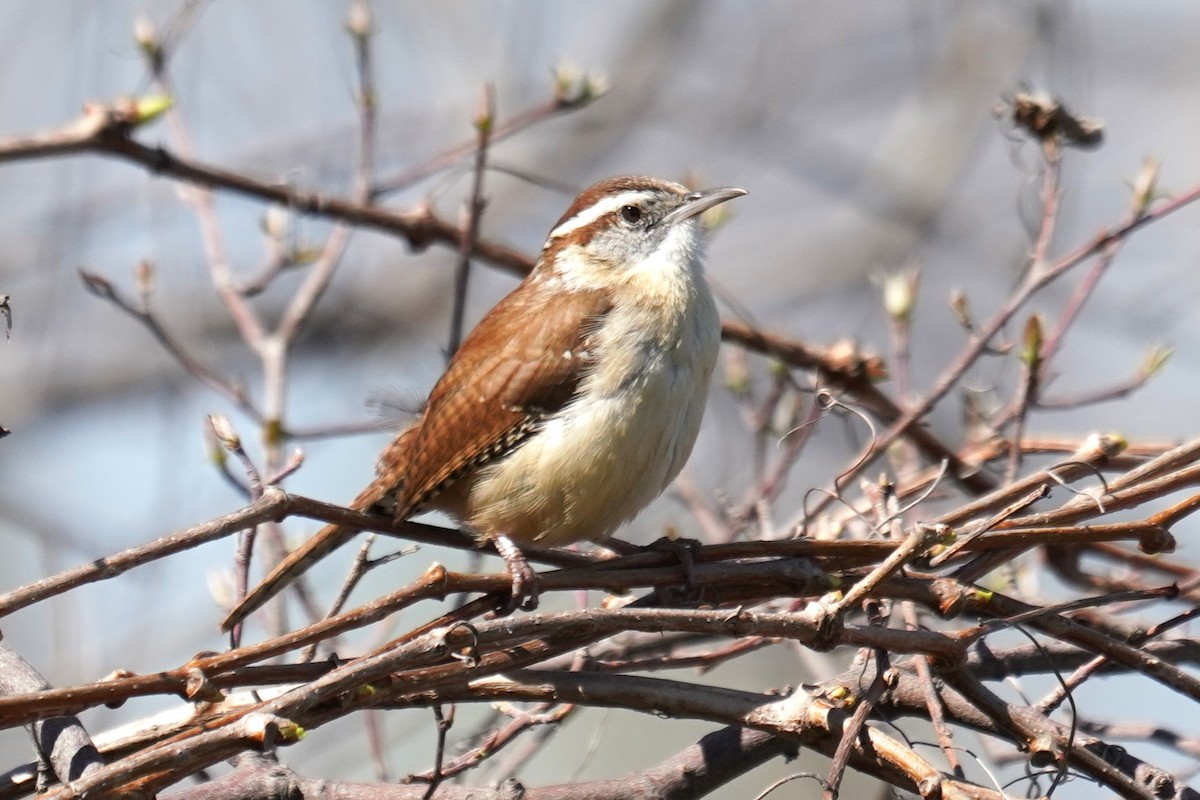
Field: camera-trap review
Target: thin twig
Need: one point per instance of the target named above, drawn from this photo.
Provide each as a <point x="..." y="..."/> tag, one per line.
<point x="559" y="105"/>
<point x="484" y="121"/>
<point x="236" y="394"/>
<point x="1034" y="282"/>
<point x="444" y="722"/>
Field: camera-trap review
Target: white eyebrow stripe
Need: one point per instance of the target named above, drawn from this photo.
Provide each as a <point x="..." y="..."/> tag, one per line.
<point x="597" y="210"/>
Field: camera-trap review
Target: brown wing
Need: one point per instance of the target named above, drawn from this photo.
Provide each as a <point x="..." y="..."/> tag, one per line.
<point x="522" y="362"/>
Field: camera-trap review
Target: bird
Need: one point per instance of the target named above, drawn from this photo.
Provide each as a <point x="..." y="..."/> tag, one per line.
<point x="576" y="399"/>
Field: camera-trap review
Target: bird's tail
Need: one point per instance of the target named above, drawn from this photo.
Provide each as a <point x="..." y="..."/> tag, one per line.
<point x="296" y="564"/>
<point x="299" y="561"/>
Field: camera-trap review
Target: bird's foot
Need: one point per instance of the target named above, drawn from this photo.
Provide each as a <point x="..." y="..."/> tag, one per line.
<point x="525" y="586"/>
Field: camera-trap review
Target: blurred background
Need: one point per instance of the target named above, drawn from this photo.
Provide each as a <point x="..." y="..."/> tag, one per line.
<point x="866" y="134"/>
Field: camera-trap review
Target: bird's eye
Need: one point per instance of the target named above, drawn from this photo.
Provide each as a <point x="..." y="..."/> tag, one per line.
<point x="631" y="214"/>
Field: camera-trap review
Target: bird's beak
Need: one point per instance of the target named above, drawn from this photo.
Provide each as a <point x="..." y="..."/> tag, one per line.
<point x="699" y="202"/>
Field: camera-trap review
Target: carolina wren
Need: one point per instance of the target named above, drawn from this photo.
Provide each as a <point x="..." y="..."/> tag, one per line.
<point x="575" y="401"/>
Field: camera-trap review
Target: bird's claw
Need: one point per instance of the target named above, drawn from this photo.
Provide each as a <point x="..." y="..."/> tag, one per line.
<point x="525" y="584"/>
